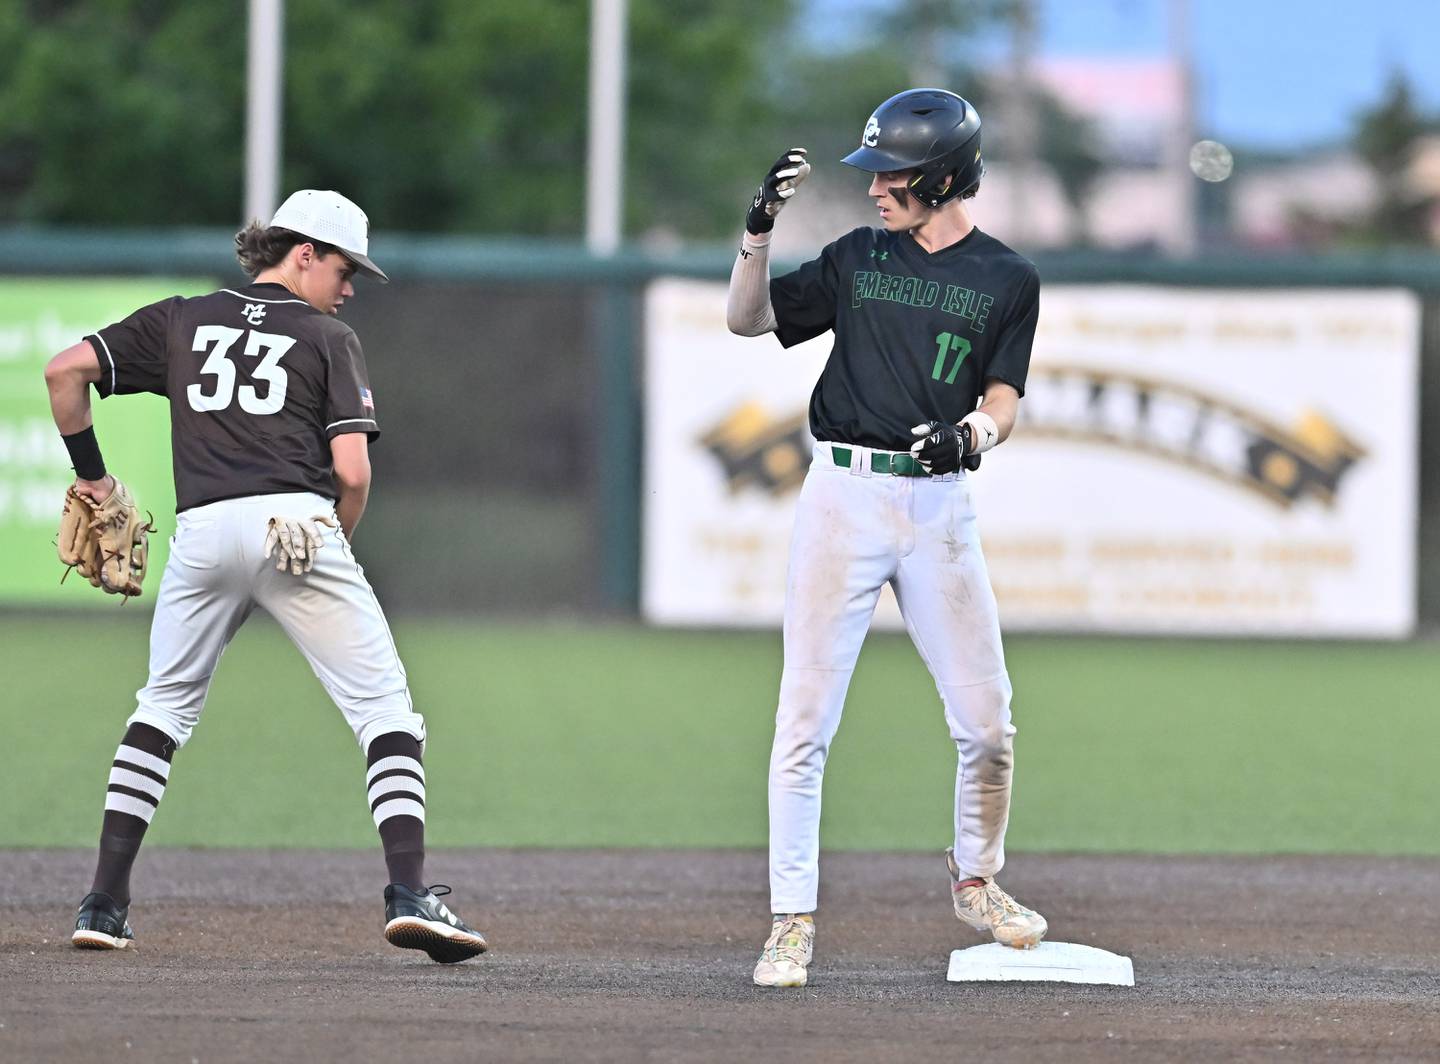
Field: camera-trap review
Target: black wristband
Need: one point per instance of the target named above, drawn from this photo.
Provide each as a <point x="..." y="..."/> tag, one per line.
<point x="85" y="454"/>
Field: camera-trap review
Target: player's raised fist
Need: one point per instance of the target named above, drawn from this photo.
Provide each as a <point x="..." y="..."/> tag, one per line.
<point x="779" y="185"/>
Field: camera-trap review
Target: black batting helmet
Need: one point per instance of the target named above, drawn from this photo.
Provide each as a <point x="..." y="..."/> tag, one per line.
<point x="931" y="131"/>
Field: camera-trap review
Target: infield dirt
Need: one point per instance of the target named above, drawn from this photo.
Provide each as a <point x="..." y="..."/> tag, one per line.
<point x="646" y="955"/>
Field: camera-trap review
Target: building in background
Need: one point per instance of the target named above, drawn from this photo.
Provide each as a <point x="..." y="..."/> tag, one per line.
<point x="1304" y="201"/>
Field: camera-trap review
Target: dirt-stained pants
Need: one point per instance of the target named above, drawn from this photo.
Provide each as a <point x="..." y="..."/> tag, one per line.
<point x="854" y="531"/>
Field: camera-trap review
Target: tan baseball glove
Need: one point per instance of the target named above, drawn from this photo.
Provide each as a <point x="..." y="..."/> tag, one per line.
<point x="107" y="542"/>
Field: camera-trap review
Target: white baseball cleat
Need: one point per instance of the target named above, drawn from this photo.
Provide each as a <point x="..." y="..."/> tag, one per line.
<point x="787" y="953"/>
<point x="981" y="903"/>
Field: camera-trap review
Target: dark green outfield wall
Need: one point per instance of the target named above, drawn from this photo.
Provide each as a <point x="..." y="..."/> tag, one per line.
<point x="508" y="380"/>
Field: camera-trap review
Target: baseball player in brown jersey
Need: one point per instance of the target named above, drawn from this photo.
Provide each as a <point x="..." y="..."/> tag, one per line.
<point x="930" y="317"/>
<point x="271" y="421"/>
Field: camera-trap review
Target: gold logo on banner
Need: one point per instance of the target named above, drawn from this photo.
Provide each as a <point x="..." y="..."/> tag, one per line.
<point x="1197" y="429"/>
<point x="1166" y="419"/>
<point x="758" y="450"/>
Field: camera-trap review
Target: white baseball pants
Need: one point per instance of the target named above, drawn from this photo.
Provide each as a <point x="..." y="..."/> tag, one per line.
<point x="216" y="576"/>
<point x="854" y="531"/>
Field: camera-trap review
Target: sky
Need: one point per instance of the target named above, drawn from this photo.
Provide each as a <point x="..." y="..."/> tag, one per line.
<point x="1272" y="74"/>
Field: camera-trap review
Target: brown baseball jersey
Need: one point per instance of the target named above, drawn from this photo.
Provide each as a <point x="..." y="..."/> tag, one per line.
<point x="258" y="380"/>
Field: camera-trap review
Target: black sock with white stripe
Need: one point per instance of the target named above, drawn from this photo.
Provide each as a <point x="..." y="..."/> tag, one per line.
<point x="137" y="783"/>
<point x="396" y="783"/>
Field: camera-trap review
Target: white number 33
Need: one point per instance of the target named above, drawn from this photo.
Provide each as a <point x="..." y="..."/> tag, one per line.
<point x="216" y="341"/>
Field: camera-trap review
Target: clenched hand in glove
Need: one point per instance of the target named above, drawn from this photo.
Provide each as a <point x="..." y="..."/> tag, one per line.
<point x="944" y="448"/>
<point x="779" y="185"/>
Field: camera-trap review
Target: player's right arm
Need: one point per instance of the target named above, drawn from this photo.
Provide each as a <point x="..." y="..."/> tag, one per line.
<point x="350" y="454"/>
<point x="350" y="423"/>
<point x="748" y="311"/>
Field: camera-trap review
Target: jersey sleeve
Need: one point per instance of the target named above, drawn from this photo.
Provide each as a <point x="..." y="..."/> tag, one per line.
<point x="1011" y="361"/>
<point x="804" y="300"/>
<point x="349" y="404"/>
<point x="132" y="352"/>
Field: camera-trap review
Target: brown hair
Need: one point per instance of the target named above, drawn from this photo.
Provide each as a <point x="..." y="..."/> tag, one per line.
<point x="258" y="247"/>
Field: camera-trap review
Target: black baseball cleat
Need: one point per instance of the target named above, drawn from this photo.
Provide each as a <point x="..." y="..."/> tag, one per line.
<point x="101" y="924"/>
<point x="421" y="921"/>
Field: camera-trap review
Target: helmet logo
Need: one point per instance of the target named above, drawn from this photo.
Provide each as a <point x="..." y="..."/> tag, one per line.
<point x="872" y="132"/>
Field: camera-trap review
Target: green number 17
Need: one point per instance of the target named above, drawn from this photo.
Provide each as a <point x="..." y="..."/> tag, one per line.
<point x="944" y="343"/>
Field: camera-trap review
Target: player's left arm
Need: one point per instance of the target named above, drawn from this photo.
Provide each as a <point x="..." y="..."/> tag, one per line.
<point x="1000" y="404"/>
<point x="101" y="532"/>
<point x="944" y="448"/>
<point x="68" y="377"/>
<point x="134" y="361"/>
<point x="992" y="421"/>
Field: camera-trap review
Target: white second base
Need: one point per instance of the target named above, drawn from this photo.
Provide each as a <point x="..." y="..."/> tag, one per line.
<point x="1049" y="962"/>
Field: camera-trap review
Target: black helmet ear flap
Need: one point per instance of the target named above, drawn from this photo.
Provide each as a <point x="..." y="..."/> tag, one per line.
<point x="934" y="189"/>
<point x="928" y="191"/>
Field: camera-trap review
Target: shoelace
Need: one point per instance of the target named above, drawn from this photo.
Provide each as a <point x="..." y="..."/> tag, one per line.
<point x="439" y="890"/>
<point x="787" y="942"/>
<point x="995" y="898"/>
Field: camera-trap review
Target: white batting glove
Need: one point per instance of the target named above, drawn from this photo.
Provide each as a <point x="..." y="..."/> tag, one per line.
<point x="297" y="541"/>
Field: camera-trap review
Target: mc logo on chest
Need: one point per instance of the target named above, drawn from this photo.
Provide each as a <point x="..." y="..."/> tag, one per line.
<point x="963" y="302"/>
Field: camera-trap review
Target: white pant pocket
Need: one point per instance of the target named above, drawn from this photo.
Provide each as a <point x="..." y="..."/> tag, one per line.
<point x="196" y="544"/>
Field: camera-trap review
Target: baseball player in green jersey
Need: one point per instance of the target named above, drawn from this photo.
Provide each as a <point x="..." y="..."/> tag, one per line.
<point x="933" y="322"/>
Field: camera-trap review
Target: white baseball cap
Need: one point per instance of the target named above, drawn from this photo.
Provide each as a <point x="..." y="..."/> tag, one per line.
<point x="332" y="219"/>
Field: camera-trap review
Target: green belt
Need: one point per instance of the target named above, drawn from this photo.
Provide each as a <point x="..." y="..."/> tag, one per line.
<point x="895" y="465"/>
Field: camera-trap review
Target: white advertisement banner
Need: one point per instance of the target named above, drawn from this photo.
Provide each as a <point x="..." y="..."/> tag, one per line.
<point x="1194" y="461"/>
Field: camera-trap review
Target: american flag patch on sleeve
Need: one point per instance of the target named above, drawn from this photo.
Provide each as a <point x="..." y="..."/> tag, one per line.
<point x="366" y="400"/>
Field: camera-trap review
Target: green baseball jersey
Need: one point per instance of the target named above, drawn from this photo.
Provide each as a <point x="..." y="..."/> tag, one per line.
<point x="917" y="335"/>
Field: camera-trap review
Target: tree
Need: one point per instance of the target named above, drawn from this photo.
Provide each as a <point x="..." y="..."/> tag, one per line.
<point x="436" y="115"/>
<point x="121" y="113"/>
<point x="1068" y="145"/>
<point x="1386" y="137"/>
<point x="823" y="97"/>
<point x="443" y="115"/>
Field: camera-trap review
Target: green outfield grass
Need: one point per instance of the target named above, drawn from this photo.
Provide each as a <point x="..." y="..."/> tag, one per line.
<point x="595" y="735"/>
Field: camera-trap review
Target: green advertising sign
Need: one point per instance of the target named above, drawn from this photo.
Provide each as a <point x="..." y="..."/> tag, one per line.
<point x="39" y="318"/>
